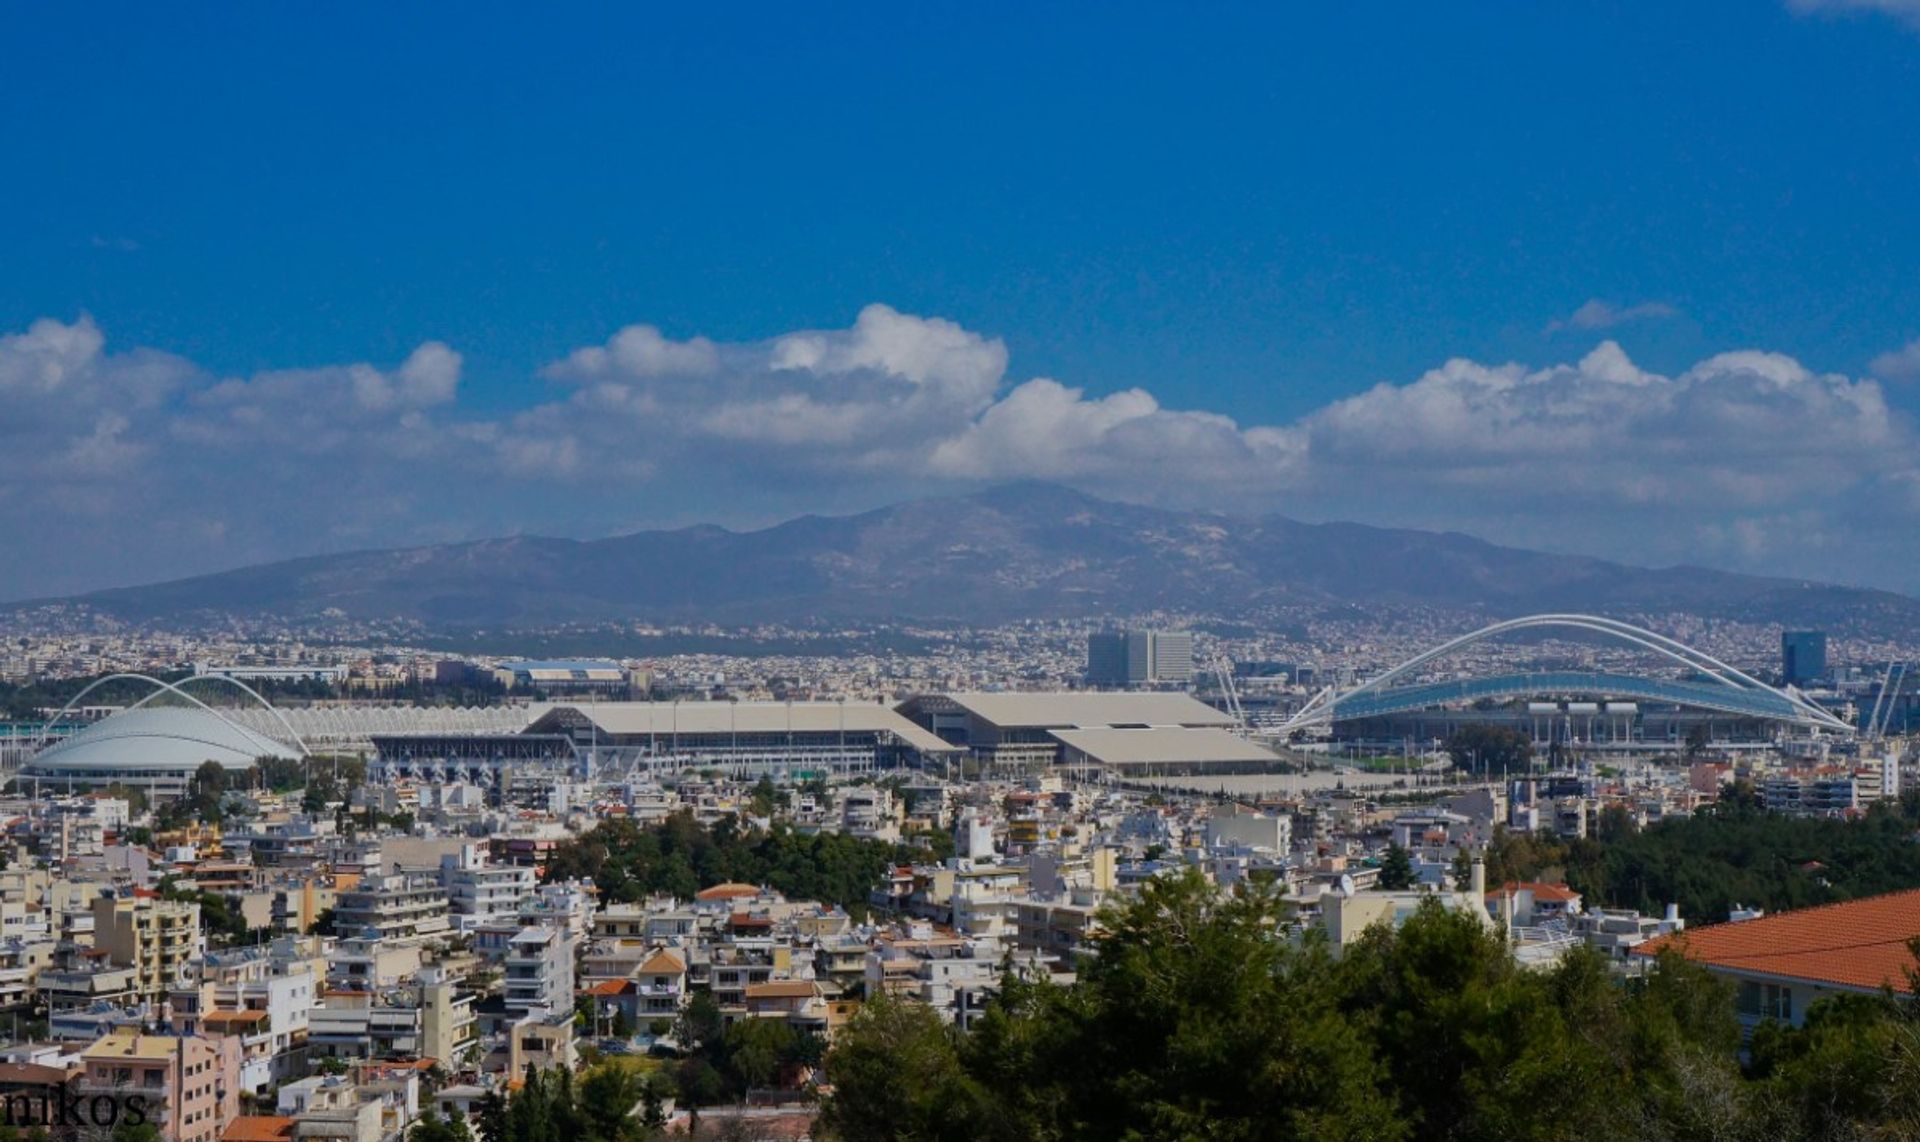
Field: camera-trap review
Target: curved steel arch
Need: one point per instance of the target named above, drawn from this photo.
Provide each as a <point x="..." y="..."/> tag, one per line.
<point x="1323" y="707"/>
<point x="175" y="688"/>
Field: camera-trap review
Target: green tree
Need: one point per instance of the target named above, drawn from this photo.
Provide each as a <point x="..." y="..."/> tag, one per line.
<point x="136" y="1132"/>
<point x="430" y="1127"/>
<point x="1490" y="749"/>
<point x="765" y="797"/>
<point x="755" y="1050"/>
<point x="896" y="1073"/>
<point x="491" y="1117"/>
<point x="1396" y="869"/>
<point x="607" y="1098"/>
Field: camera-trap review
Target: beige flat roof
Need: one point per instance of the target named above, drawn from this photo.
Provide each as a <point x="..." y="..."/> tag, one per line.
<point x="1085" y="709"/>
<point x="1163" y="746"/>
<point x="646" y="719"/>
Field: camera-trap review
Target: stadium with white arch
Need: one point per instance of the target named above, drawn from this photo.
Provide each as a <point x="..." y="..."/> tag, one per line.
<point x="1584" y="706"/>
<point x="157" y="746"/>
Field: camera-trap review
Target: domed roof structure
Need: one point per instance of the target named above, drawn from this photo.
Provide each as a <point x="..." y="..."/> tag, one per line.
<point x="155" y="741"/>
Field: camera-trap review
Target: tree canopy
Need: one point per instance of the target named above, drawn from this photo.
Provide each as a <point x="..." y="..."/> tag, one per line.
<point x="628" y="861"/>
<point x="1201" y="1018"/>
<point x="1490" y="749"/>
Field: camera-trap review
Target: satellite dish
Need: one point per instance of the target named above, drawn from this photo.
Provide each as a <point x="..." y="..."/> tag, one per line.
<point x="1346" y="885"/>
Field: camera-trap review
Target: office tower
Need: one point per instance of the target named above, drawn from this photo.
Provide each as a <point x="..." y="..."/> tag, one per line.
<point x="1803" y="656"/>
<point x="1136" y="657"/>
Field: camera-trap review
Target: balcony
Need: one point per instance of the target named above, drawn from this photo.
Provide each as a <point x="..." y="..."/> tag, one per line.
<point x="156" y="1093"/>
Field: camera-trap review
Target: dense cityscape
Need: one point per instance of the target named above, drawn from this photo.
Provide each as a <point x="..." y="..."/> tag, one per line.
<point x="377" y="891"/>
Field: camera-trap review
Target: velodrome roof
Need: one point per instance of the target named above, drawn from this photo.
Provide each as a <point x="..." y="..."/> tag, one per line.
<point x="1167" y="745"/>
<point x="157" y="738"/>
<point x="648" y="719"/>
<point x="1068" y="709"/>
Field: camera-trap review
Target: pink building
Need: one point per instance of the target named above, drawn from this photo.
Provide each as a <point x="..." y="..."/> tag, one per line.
<point x="187" y="1086"/>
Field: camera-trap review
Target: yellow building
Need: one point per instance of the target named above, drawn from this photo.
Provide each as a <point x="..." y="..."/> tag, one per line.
<point x="157" y="938"/>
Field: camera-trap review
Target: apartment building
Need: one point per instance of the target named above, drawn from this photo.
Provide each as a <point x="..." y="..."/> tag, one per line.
<point x="480" y="892"/>
<point x="157" y="938"/>
<point x="431" y="1019"/>
<point x="539" y="970"/>
<point x="264" y="995"/>
<point x="402" y="908"/>
<point x="187" y="1085"/>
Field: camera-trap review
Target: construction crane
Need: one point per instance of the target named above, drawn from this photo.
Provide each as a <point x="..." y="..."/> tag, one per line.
<point x="1223" y="669"/>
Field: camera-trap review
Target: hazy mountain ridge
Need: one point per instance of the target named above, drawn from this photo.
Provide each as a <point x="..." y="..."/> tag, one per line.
<point x="1014" y="552"/>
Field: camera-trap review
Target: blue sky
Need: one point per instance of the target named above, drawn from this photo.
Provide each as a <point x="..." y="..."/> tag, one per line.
<point x="1248" y="215"/>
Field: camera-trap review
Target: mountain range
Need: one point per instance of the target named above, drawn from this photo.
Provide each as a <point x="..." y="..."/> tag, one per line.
<point x="1014" y="552"/>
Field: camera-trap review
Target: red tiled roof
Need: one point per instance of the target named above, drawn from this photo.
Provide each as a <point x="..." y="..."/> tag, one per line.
<point x="258" y="1128"/>
<point x="1861" y="943"/>
<point x="609" y="987"/>
<point x="662" y="962"/>
<point x="726" y="892"/>
<point x="1542" y="893"/>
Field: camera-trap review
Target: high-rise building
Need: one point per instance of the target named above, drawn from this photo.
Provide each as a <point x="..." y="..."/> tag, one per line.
<point x="1803" y="656"/>
<point x="1136" y="657"/>
<point x="1107" y="658"/>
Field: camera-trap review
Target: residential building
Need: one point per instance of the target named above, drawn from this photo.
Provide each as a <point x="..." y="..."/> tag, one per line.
<point x="1781" y="964"/>
<point x="157" y="938"/>
<point x="188" y="1085"/>
<point x="403" y="909"/>
<point x="481" y="892"/>
<point x="539" y="970"/>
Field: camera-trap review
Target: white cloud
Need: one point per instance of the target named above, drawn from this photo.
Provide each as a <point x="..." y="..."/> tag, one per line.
<point x="1598" y="314"/>
<point x="1738" y="430"/>
<point x="137" y="465"/>
<point x="637" y="352"/>
<point x="1907" y="10"/>
<point x="1902" y="364"/>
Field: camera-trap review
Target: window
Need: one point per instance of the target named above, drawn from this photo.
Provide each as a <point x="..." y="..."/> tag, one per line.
<point x="1765" y="1001"/>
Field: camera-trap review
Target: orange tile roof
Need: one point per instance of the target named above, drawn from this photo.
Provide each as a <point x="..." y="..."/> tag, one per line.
<point x="1861" y="943"/>
<point x="781" y="989"/>
<point x="1542" y="893"/>
<point x="609" y="987"/>
<point x="726" y="892"/>
<point x="258" y="1128"/>
<point x="662" y="962"/>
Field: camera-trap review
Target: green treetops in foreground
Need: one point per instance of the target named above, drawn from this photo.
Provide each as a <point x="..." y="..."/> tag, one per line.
<point x="1199" y="1019"/>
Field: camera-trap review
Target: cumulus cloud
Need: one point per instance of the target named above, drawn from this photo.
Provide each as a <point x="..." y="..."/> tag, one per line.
<point x="637" y="352"/>
<point x="1598" y="314"/>
<point x="1902" y="364"/>
<point x="1738" y="431"/>
<point x="139" y="464"/>
<point x="803" y="404"/>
